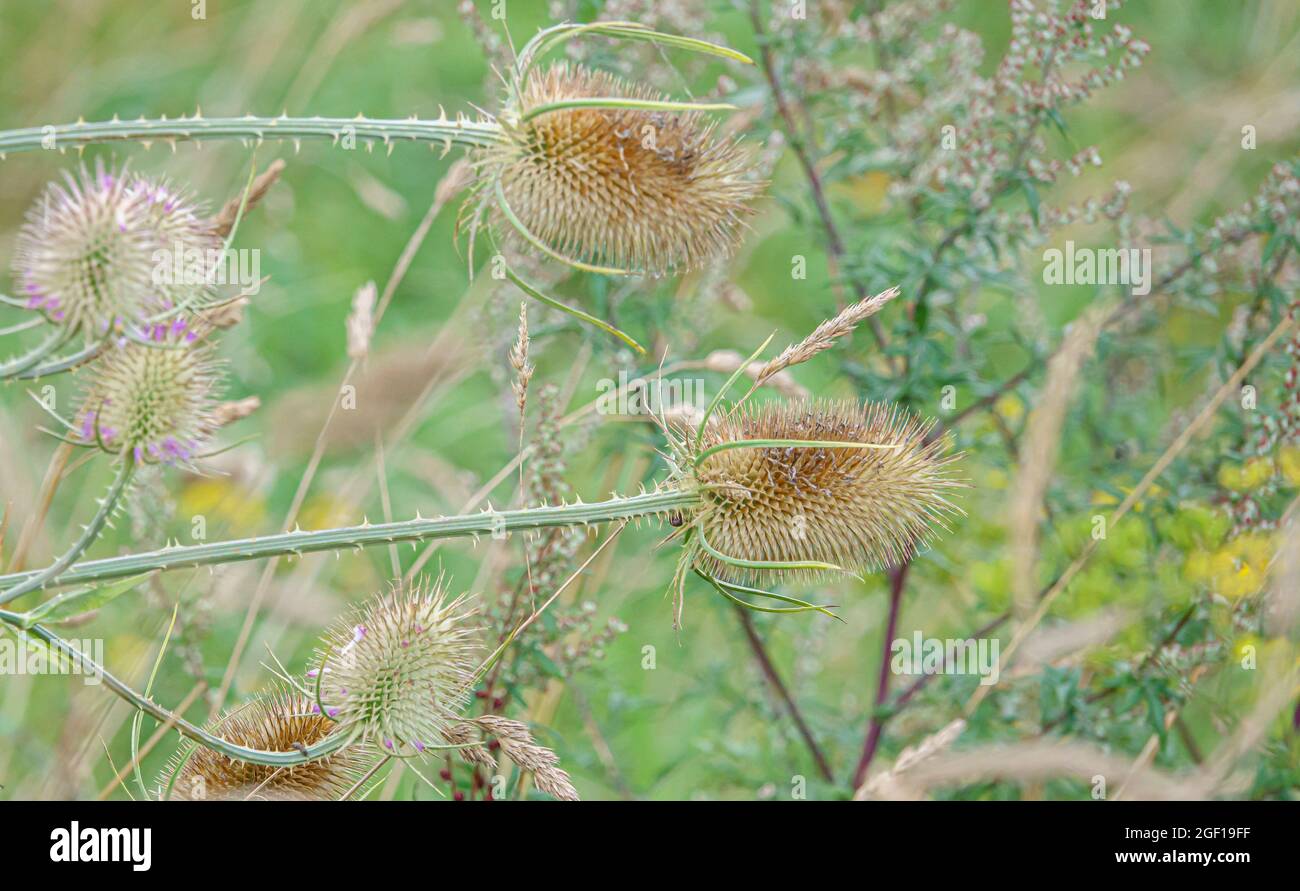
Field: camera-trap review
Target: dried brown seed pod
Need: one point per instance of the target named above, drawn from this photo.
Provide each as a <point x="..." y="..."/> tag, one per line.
<point x="280" y="721"/>
<point x="854" y="508"/>
<point x="638" y="190"/>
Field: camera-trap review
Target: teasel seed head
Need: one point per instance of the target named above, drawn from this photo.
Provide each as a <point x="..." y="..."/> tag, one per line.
<point x="637" y="190"/>
<point x="88" y="258"/>
<point x="153" y="398"/>
<point x="397" y="670"/>
<point x="279" y="721"/>
<point x="185" y="246"/>
<point x="853" y="508"/>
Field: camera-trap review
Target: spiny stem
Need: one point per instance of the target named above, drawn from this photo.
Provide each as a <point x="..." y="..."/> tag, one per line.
<point x="419" y="529"/>
<point x="65" y="363"/>
<point x="50" y="573"/>
<point x="19" y="364"/>
<point x="80" y="134"/>
<point x="198" y="734"/>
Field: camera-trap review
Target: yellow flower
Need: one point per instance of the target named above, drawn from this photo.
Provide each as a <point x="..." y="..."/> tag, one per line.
<point x="1010" y="407"/>
<point x="1258" y="471"/>
<point x="1288" y="461"/>
<point x="224" y="502"/>
<point x="868" y="191"/>
<point x="1254" y="473"/>
<point x="1197" y="568"/>
<point x="1238" y="569"/>
<point x="325" y="512"/>
<point x="1106" y="499"/>
<point x="1246" y="645"/>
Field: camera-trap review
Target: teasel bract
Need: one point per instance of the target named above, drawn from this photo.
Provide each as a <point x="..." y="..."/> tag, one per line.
<point x="99" y="252"/>
<point x="607" y="176"/>
<point x="280" y="721"/>
<point x="644" y="187"/>
<point x="396" y="672"/>
<point x="797" y="490"/>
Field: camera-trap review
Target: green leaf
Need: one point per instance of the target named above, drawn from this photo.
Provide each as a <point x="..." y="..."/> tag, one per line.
<point x="78" y="601"/>
<point x="1031" y="195"/>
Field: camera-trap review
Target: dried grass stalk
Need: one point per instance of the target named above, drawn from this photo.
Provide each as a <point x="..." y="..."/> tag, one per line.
<point x="1038" y="456"/>
<point x="1047" y="645"/>
<point x="519" y="746"/>
<point x="224" y="222"/>
<point x="236" y="410"/>
<point x="825" y="335"/>
<point x="519" y="361"/>
<point x="1032" y="762"/>
<point x="361" y="321"/>
<point x="886" y="784"/>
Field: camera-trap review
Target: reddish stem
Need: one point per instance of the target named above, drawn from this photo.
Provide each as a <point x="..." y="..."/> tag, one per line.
<point x="897" y="578"/>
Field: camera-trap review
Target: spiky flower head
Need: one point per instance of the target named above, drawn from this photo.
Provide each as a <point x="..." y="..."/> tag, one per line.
<point x="628" y="189"/>
<point x="153" y="397"/>
<point x="95" y="252"/>
<point x="280" y="721"/>
<point x="856" y="508"/>
<point x="397" y="670"/>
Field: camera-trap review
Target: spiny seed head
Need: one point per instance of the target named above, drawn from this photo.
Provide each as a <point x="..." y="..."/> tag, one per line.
<point x="95" y="251"/>
<point x="856" y="508"/>
<point x="280" y="721"/>
<point x="641" y="191"/>
<point x="397" y="670"/>
<point x="153" y="401"/>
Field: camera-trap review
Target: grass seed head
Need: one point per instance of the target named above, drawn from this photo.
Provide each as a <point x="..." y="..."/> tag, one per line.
<point x="857" y="508"/>
<point x="638" y="190"/>
<point x="398" y="669"/>
<point x="154" y="401"/>
<point x="281" y="721"/>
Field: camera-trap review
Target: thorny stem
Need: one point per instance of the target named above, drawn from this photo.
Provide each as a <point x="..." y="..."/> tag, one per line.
<point x="50" y="573"/>
<point x="461" y="132"/>
<point x="151" y="708"/>
<point x="18" y="365"/>
<point x="299" y="542"/>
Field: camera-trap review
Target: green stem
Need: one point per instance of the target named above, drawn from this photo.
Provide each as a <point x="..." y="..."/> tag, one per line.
<point x="65" y="363"/>
<point x="419" y="529"/>
<point x="185" y="728"/>
<point x="16" y="366"/>
<point x="50" y="574"/>
<point x="440" y="131"/>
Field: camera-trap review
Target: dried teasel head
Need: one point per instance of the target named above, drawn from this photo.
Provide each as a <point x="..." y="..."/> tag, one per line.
<point x="769" y="511"/>
<point x="100" y="250"/>
<point x="618" y="189"/>
<point x="397" y="670"/>
<point x="153" y="398"/>
<point x="280" y="721"/>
